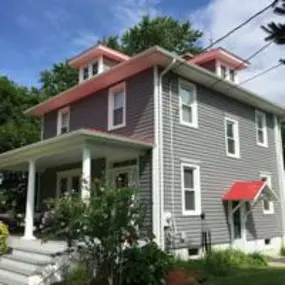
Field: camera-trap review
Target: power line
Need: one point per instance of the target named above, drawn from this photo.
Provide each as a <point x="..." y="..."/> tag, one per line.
<point x="281" y="62"/>
<point x="244" y="61"/>
<point x="272" y="5"/>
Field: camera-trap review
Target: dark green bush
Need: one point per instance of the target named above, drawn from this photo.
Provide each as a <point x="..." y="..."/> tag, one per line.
<point x="222" y="263"/>
<point x="145" y="265"/>
<point x="282" y="251"/>
<point x="78" y="276"/>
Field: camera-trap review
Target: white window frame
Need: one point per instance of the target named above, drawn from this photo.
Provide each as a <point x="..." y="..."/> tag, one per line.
<point x="263" y="129"/>
<point x="194" y="105"/>
<point x="267" y="175"/>
<point x="68" y="174"/>
<point x="236" y="138"/>
<point x="196" y="189"/>
<point x="112" y="90"/>
<point x="65" y="110"/>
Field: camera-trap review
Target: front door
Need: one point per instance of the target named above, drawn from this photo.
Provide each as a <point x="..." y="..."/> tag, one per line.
<point x="68" y="182"/>
<point x="238" y="225"/>
<point x="125" y="177"/>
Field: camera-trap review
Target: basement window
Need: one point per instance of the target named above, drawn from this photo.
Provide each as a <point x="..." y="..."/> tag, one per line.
<point x="267" y="241"/>
<point x="193" y="251"/>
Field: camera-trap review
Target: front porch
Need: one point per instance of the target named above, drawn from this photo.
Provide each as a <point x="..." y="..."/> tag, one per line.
<point x="71" y="162"/>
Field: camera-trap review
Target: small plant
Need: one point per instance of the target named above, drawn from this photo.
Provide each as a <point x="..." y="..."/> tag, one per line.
<point x="282" y="250"/>
<point x="222" y="263"/>
<point x="4" y="233"/>
<point x="146" y="265"/>
<point x="78" y="276"/>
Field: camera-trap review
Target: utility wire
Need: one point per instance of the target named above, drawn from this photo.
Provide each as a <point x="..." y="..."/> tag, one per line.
<point x="281" y="62"/>
<point x="272" y="5"/>
<point x="244" y="61"/>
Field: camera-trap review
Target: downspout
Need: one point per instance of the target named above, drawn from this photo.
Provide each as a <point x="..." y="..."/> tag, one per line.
<point x="280" y="171"/>
<point x="160" y="141"/>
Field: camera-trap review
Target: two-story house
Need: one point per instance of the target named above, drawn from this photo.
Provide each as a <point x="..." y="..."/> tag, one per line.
<point x="179" y="129"/>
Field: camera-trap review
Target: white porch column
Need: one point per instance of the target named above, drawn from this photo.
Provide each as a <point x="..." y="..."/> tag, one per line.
<point x="30" y="202"/>
<point x="86" y="173"/>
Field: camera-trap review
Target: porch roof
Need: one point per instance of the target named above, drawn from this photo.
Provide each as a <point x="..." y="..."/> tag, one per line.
<point x="248" y="191"/>
<point x="69" y="142"/>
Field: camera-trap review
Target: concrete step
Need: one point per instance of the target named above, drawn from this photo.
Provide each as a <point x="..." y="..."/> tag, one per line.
<point x="29" y="264"/>
<point x="10" y="281"/>
<point x="33" y="254"/>
<point x="17" y="274"/>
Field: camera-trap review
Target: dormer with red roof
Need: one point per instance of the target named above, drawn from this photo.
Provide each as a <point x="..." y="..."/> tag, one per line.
<point x="220" y="61"/>
<point x="95" y="60"/>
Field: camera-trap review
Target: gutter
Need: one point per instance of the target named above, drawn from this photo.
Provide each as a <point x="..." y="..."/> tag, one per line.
<point x="160" y="144"/>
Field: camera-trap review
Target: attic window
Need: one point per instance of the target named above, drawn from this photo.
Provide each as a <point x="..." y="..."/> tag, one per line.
<point x="85" y="72"/>
<point x="223" y="71"/>
<point x="95" y="68"/>
<point x="232" y="75"/>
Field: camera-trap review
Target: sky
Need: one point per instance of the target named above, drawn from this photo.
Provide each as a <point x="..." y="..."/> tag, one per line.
<point x="34" y="34"/>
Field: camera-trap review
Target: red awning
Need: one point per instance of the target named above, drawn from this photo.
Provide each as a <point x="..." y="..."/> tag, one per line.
<point x="246" y="191"/>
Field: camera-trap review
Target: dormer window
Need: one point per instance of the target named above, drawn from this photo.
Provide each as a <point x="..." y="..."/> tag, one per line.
<point x="85" y="72"/>
<point x="95" y="68"/>
<point x="232" y="75"/>
<point x="223" y="71"/>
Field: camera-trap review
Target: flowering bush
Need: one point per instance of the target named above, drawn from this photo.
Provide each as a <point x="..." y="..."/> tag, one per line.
<point x="103" y="226"/>
<point x="4" y="233"/>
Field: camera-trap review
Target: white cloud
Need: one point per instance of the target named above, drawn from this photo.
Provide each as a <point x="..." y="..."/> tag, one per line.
<point x="85" y="39"/>
<point x="220" y="16"/>
<point x="130" y="12"/>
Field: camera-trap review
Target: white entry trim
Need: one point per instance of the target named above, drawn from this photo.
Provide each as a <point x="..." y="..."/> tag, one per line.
<point x="68" y="174"/>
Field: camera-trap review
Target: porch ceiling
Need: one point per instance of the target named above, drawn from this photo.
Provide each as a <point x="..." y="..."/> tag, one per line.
<point x="67" y="149"/>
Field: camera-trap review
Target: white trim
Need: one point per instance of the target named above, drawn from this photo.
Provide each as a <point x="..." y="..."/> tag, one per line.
<point x="236" y="137"/>
<point x="267" y="175"/>
<point x="112" y="90"/>
<point x="194" y="105"/>
<point x="228" y="68"/>
<point x="156" y="189"/>
<point x="196" y="189"/>
<point x="280" y="169"/>
<point x="66" y="174"/>
<point x="30" y="202"/>
<point x="86" y="173"/>
<point x="264" y="128"/>
<point x="65" y="110"/>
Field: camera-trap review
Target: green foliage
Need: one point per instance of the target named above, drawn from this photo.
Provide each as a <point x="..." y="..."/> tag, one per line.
<point x="276" y="31"/>
<point x="165" y="31"/>
<point x="282" y="251"/>
<point x="104" y="225"/>
<point x="64" y="218"/>
<point x="222" y="263"/>
<point x="58" y="79"/>
<point x="4" y="233"/>
<point x="78" y="275"/>
<point x="145" y="265"/>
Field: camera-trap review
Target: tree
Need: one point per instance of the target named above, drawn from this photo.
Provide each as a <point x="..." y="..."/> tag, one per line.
<point x="58" y="79"/>
<point x="165" y="31"/>
<point x="276" y="31"/>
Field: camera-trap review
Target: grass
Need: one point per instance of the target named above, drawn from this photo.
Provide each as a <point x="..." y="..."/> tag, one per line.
<point x="266" y="276"/>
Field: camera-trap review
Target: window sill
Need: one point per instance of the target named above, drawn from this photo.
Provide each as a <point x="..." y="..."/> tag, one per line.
<point x="191" y="213"/>
<point x="268" y="212"/>
<point x="262" y="145"/>
<point x="194" y="126"/>
<point x="111" y="128"/>
<point x="233" y="156"/>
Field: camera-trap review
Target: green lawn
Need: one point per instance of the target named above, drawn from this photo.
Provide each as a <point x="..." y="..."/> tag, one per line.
<point x="267" y="276"/>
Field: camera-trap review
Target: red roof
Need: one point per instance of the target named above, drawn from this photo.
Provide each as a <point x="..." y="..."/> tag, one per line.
<point x="244" y="190"/>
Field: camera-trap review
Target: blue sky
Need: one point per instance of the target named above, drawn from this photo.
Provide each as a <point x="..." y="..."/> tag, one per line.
<point x="34" y="34"/>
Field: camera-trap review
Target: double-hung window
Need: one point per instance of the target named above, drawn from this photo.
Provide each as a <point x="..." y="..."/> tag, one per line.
<point x="261" y="129"/>
<point x="232" y="138"/>
<point x="63" y="117"/>
<point x="191" y="193"/>
<point x="188" y="104"/>
<point x="268" y="206"/>
<point x="117" y="107"/>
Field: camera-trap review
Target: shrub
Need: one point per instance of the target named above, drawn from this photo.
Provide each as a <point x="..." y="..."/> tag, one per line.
<point x="282" y="251"/>
<point x="78" y="276"/>
<point x="222" y="263"/>
<point x="4" y="233"/>
<point x="146" y="265"/>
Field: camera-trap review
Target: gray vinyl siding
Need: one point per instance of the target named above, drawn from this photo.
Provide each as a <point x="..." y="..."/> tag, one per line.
<point x="205" y="146"/>
<point x="92" y="111"/>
